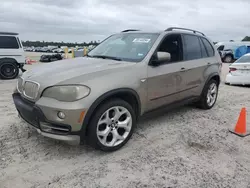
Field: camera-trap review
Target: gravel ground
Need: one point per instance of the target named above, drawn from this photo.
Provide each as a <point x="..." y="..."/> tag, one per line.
<point x="185" y="147"/>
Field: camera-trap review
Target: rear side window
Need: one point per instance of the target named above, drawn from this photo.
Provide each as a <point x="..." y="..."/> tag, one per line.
<point x="209" y="48"/>
<point x="192" y="49"/>
<point x="8" y="42"/>
<point x="19" y="43"/>
<point x="203" y="50"/>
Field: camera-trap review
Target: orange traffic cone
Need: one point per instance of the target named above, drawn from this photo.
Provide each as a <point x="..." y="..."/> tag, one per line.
<point x="241" y="125"/>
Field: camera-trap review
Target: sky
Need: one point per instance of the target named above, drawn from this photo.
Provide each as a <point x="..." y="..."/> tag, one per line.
<point x="86" y="20"/>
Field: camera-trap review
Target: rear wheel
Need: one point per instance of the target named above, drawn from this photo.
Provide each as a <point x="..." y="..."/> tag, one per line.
<point x="228" y="59"/>
<point x="112" y="125"/>
<point x="209" y="95"/>
<point x="8" y="70"/>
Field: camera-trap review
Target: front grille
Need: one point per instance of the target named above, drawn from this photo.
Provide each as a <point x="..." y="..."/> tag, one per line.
<point x="20" y="85"/>
<point x="30" y="89"/>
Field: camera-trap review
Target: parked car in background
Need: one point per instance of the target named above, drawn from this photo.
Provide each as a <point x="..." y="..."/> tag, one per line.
<point x="58" y="50"/>
<point x="12" y="56"/>
<point x="239" y="71"/>
<point x="50" y="58"/>
<point x="230" y="51"/>
<point x="99" y="98"/>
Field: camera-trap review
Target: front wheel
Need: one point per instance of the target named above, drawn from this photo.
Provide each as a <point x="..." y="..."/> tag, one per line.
<point x="209" y="95"/>
<point x="8" y="70"/>
<point x="112" y="125"/>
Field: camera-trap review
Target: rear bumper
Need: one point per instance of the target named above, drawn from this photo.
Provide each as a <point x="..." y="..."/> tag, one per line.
<point x="237" y="80"/>
<point x="30" y="113"/>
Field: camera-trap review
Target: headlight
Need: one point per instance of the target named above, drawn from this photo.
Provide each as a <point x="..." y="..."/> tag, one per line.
<point x="67" y="93"/>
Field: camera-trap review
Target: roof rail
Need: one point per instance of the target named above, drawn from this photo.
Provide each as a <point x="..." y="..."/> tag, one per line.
<point x="172" y="28"/>
<point x="7" y="33"/>
<point x="127" y="30"/>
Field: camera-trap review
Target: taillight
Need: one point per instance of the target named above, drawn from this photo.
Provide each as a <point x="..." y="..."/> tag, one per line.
<point x="232" y="69"/>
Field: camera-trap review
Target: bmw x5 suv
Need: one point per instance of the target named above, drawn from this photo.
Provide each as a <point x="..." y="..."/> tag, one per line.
<point x="99" y="98"/>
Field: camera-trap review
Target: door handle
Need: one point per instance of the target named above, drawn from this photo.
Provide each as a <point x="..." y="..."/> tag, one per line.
<point x="208" y="63"/>
<point x="183" y="69"/>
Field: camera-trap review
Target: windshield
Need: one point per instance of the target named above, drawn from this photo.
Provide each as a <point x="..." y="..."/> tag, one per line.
<point x="244" y="59"/>
<point x="125" y="46"/>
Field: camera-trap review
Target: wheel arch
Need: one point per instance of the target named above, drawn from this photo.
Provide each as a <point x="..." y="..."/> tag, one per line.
<point x="9" y="59"/>
<point x="214" y="76"/>
<point x="126" y="94"/>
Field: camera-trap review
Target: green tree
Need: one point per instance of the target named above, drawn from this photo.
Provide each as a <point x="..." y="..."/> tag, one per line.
<point x="246" y="38"/>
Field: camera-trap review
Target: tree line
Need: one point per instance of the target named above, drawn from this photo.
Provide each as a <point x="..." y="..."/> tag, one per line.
<point x="59" y="44"/>
<point x="70" y="44"/>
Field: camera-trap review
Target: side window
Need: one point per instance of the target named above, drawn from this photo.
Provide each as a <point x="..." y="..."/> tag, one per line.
<point x="19" y="42"/>
<point x="209" y="48"/>
<point x="8" y="42"/>
<point x="203" y="50"/>
<point x="220" y="48"/>
<point x="173" y="45"/>
<point x="192" y="49"/>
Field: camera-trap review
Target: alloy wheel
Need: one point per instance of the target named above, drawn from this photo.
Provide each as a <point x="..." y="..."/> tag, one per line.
<point x="212" y="94"/>
<point x="114" y="126"/>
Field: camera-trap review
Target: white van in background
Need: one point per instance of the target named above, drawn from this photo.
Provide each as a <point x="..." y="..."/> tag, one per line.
<point x="227" y="50"/>
<point x="12" y="56"/>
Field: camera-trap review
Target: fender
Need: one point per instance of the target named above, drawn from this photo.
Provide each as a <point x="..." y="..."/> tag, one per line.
<point x="103" y="97"/>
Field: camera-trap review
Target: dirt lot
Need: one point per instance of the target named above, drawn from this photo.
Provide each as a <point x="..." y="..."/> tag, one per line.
<point x="185" y="147"/>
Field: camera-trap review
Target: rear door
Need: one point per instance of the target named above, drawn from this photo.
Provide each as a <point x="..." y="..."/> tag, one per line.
<point x="193" y="66"/>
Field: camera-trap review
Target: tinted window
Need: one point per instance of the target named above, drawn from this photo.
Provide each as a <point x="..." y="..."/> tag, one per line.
<point x="203" y="50"/>
<point x="210" y="50"/>
<point x="173" y="45"/>
<point x="8" y="42"/>
<point x="192" y="49"/>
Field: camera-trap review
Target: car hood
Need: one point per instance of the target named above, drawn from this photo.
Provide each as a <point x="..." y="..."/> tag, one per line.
<point x="59" y="71"/>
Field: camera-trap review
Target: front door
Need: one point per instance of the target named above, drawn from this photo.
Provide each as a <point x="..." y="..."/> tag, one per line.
<point x="164" y="79"/>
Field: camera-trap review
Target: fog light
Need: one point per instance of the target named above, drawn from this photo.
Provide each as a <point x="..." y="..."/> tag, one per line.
<point x="61" y="115"/>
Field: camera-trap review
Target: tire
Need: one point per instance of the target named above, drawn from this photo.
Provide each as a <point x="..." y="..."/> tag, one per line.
<point x="8" y="70"/>
<point x="105" y="140"/>
<point x="228" y="59"/>
<point x="204" y="102"/>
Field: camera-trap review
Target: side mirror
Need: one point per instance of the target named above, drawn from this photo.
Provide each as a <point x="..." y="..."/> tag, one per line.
<point x="160" y="57"/>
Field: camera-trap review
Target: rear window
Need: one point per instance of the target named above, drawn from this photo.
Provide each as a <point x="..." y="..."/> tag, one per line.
<point x="243" y="59"/>
<point x="8" y="42"/>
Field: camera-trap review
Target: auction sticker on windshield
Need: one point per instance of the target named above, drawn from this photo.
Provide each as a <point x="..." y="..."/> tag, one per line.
<point x="142" y="40"/>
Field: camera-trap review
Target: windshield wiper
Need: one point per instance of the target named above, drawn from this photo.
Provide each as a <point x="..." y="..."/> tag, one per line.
<point x="106" y="57"/>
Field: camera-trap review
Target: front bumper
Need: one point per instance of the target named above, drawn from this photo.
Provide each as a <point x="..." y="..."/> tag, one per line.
<point x="33" y="115"/>
<point x="237" y="80"/>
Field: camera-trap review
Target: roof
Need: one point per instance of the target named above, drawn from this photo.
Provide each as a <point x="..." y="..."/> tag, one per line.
<point x="7" y="33"/>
